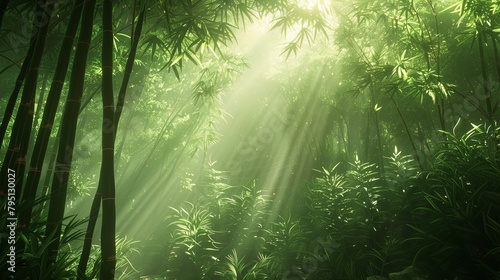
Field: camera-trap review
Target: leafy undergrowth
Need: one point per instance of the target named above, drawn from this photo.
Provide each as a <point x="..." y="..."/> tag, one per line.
<point x="441" y="223"/>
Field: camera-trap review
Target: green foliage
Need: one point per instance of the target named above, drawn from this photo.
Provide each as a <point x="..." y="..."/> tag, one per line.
<point x="31" y="263"/>
<point x="374" y="216"/>
<point x="202" y="236"/>
<point x="461" y="232"/>
<point x="439" y="223"/>
<point x="286" y="240"/>
<point x="238" y="269"/>
<point x="360" y="214"/>
<point x="193" y="245"/>
<point x="400" y="167"/>
<point x="125" y="247"/>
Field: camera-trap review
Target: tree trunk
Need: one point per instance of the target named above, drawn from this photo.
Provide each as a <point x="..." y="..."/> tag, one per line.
<point x="68" y="131"/>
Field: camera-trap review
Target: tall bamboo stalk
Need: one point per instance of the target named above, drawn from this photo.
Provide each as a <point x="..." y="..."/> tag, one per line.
<point x="484" y="71"/>
<point x="377" y="129"/>
<point x="96" y="203"/>
<point x="495" y="53"/>
<point x="68" y="132"/>
<point x="49" y="113"/>
<point x="492" y="144"/>
<point x="108" y="248"/>
<point x="136" y="35"/>
<point x="16" y="155"/>
<point x="3" y="8"/>
<point x="11" y="104"/>
<point x="407" y="130"/>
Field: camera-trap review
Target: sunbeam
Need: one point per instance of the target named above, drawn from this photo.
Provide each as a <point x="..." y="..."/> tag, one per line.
<point x="255" y="139"/>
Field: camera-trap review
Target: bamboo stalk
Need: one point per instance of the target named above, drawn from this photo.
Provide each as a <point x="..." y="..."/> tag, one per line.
<point x="3" y="8"/>
<point x="68" y="131"/>
<point x="96" y="203"/>
<point x="16" y="155"/>
<point x="484" y="71"/>
<point x="108" y="246"/>
<point x="42" y="139"/>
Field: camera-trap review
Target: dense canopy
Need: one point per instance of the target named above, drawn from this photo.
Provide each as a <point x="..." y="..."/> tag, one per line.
<point x="250" y="139"/>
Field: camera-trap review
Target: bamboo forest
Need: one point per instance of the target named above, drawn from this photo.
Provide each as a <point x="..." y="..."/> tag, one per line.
<point x="250" y="139"/>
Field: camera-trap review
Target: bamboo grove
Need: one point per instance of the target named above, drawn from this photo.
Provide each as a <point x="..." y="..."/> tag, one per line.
<point x="373" y="145"/>
<point x="186" y="37"/>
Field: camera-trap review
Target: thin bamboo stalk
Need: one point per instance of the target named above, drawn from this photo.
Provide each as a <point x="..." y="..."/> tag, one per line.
<point x="96" y="203"/>
<point x="68" y="132"/>
<point x="108" y="246"/>
<point x="16" y="155"/>
<point x="42" y="139"/>
<point x="3" y="8"/>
